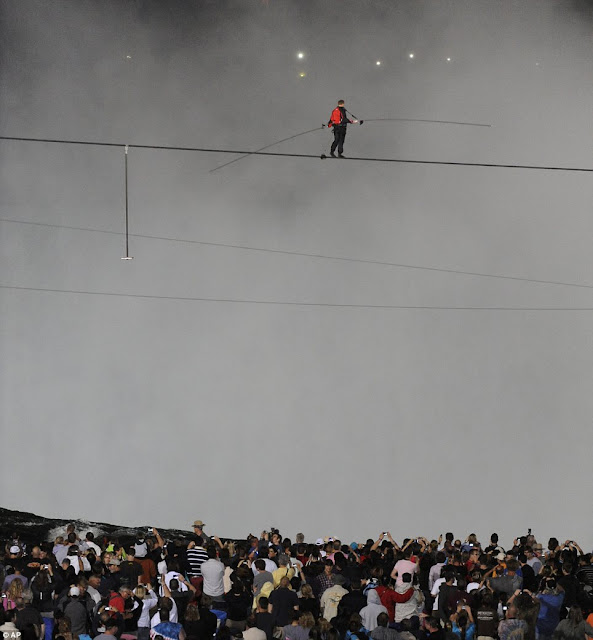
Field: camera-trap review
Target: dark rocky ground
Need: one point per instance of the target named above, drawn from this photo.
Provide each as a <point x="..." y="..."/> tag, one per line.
<point x="33" y="529"/>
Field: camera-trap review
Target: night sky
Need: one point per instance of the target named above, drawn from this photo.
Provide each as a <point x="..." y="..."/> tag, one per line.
<point x="339" y="347"/>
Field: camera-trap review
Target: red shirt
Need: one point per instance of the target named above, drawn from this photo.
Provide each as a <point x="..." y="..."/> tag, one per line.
<point x="117" y="602"/>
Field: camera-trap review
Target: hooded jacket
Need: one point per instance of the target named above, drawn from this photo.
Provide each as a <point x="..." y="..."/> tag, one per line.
<point x="549" y="612"/>
<point x="409" y="608"/>
<point x="372" y="610"/>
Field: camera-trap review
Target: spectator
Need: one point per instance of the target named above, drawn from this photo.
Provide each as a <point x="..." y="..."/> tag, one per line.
<point x="164" y="604"/>
<point x="90" y="544"/>
<point x="406" y="565"/>
<point x="93" y="585"/>
<point x="462" y="622"/>
<point x="308" y="602"/>
<point x="509" y="582"/>
<point x="264" y="619"/>
<point x="17" y="566"/>
<point x="294" y="630"/>
<point x="325" y="580"/>
<point x="372" y="610"/>
<point x="167" y="629"/>
<point x="382" y="631"/>
<point x="331" y="597"/>
<point x="8" y="627"/>
<point x="253" y="632"/>
<point x="117" y="600"/>
<point x="108" y="626"/>
<point x="551" y="600"/>
<point x="262" y="576"/>
<point x="213" y="574"/>
<point x="200" y="533"/>
<point x="447" y="586"/>
<point x="532" y="560"/>
<point x="200" y="622"/>
<point x="585" y="570"/>
<point x="414" y="602"/>
<point x="179" y="596"/>
<point x="147" y="599"/>
<point x="15" y="591"/>
<point x="569" y="583"/>
<point x="512" y="628"/>
<point x="355" y="600"/>
<point x="527" y="573"/>
<point x="112" y="580"/>
<point x="76" y="612"/>
<point x="28" y="619"/>
<point x="284" y="570"/>
<point x="282" y="602"/>
<point x="573" y="627"/>
<point x="130" y="570"/>
<point x="433" y="628"/>
<point x="237" y="601"/>
<point x="486" y="616"/>
<point x="435" y="571"/>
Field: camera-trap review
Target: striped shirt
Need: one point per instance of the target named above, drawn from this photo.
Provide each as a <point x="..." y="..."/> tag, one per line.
<point x="195" y="558"/>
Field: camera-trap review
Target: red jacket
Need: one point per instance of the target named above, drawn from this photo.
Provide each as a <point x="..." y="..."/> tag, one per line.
<point x="338" y="118"/>
<point x="389" y="599"/>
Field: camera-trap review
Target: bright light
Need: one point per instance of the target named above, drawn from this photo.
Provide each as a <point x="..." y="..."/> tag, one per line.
<point x="300" y="55"/>
<point x="302" y="74"/>
<point x="448" y="59"/>
<point x="378" y="63"/>
<point x="129" y="57"/>
<point x="411" y="56"/>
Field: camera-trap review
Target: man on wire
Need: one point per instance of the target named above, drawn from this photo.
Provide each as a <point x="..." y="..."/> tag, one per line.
<point x="339" y="121"/>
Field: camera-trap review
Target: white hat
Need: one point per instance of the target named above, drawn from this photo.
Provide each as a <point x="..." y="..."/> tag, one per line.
<point x="74" y="591"/>
<point x="319" y="542"/>
<point x="15" y="549"/>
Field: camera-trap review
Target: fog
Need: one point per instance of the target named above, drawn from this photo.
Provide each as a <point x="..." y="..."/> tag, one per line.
<point x="333" y="347"/>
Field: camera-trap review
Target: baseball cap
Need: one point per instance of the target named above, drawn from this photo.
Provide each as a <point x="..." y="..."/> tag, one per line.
<point x="74" y="591"/>
<point x="15" y="549"/>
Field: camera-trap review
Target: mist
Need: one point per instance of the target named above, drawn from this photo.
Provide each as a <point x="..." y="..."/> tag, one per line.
<point x="294" y="343"/>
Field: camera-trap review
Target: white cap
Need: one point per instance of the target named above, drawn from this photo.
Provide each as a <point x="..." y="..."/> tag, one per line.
<point x="15" y="549"/>
<point x="74" y="591"/>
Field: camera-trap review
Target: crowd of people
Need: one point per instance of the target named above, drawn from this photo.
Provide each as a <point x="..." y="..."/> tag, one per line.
<point x="268" y="587"/>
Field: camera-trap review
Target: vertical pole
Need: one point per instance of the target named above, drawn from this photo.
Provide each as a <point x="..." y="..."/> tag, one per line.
<point x="127" y="256"/>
